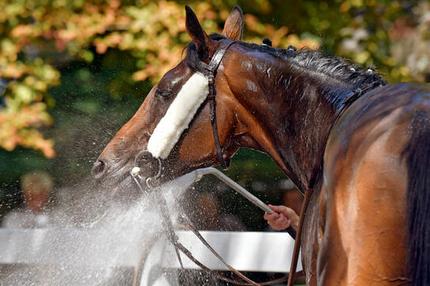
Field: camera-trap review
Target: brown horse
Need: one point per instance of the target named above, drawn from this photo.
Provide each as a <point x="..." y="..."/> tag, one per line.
<point x="362" y="147"/>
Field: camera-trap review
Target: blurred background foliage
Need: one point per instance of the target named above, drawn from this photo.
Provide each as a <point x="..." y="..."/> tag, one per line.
<point x="74" y="71"/>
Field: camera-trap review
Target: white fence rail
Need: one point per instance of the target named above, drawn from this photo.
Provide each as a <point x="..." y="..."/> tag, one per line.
<point x="246" y="251"/>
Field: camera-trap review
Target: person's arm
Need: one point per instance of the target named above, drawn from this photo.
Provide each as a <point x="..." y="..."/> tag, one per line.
<point x="281" y="218"/>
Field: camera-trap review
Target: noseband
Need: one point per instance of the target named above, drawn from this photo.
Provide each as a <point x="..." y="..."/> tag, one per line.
<point x="210" y="70"/>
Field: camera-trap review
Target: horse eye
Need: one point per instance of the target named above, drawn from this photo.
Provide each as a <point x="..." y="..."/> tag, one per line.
<point x="163" y="93"/>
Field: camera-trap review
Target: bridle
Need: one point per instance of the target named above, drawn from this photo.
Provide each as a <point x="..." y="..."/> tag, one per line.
<point x="210" y="70"/>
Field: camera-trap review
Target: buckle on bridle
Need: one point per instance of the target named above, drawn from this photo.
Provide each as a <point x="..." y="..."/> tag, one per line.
<point x="211" y="77"/>
<point x="211" y="86"/>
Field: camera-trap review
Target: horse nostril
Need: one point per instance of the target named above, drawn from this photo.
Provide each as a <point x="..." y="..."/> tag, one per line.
<point x="98" y="169"/>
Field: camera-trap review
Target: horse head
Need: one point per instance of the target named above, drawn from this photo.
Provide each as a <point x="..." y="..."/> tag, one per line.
<point x="171" y="133"/>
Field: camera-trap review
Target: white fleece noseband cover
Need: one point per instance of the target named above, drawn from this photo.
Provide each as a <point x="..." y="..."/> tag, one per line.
<point x="178" y="116"/>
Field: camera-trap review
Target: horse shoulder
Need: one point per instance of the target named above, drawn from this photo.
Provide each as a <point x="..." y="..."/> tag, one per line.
<point x="363" y="194"/>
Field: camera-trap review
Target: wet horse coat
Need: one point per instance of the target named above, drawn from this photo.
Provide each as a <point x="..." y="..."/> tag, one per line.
<point x="358" y="218"/>
<point x="362" y="146"/>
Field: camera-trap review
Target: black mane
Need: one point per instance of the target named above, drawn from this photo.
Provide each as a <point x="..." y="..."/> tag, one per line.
<point x="357" y="79"/>
<point x="335" y="67"/>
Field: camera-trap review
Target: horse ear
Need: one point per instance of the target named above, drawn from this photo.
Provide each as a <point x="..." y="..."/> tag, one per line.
<point x="233" y="27"/>
<point x="195" y="30"/>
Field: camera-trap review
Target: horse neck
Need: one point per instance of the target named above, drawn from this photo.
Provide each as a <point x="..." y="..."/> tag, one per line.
<point x="308" y="118"/>
<point x="303" y="107"/>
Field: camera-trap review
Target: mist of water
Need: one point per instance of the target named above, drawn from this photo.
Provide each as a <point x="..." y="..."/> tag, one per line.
<point x="98" y="236"/>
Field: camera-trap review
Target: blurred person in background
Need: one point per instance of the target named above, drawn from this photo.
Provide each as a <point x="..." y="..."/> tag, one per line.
<point x="36" y="188"/>
<point x="212" y="218"/>
<point x="293" y="199"/>
<point x="206" y="214"/>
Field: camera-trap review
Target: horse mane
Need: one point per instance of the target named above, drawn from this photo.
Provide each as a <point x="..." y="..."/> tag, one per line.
<point x="358" y="80"/>
<point x="337" y="68"/>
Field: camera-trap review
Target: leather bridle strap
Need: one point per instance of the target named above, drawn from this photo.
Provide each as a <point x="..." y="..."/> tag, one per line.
<point x="209" y="70"/>
<point x="298" y="238"/>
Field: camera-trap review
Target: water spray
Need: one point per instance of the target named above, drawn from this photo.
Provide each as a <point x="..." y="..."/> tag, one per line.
<point x="188" y="179"/>
<point x="199" y="173"/>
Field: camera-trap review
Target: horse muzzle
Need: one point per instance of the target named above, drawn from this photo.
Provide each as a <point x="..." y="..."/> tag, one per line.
<point x="149" y="168"/>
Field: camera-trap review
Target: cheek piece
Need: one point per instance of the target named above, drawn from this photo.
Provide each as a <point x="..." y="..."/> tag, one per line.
<point x="199" y="87"/>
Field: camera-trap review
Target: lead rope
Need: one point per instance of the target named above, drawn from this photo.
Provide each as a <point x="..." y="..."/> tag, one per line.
<point x="179" y="246"/>
<point x="168" y="226"/>
<point x="172" y="237"/>
<point x="298" y="239"/>
<point x="231" y="268"/>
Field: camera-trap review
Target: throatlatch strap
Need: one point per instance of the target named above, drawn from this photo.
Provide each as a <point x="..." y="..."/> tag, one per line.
<point x="218" y="147"/>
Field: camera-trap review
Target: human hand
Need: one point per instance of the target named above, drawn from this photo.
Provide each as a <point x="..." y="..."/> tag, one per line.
<point x="281" y="218"/>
